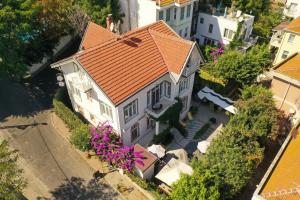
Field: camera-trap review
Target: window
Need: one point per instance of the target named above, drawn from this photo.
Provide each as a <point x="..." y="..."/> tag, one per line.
<point x="284" y="54"/>
<point x="186" y="32"/>
<point x="188" y="12"/>
<point x="77" y="92"/>
<point x="194" y="25"/>
<point x="135" y="132"/>
<point x="201" y="20"/>
<point x="75" y="67"/>
<point x="89" y="95"/>
<point x="180" y="32"/>
<point x="228" y="33"/>
<point x="168" y="89"/>
<point x="161" y="15"/>
<point x="168" y="14"/>
<point x="130" y="111"/>
<point x="182" y="13"/>
<point x="291" y="38"/>
<point x="184" y="103"/>
<point x="106" y="110"/>
<point x="208" y="41"/>
<point x="175" y="12"/>
<point x="210" y="28"/>
<point x="183" y="85"/>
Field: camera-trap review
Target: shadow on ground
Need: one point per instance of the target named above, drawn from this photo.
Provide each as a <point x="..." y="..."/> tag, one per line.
<point x="77" y="189"/>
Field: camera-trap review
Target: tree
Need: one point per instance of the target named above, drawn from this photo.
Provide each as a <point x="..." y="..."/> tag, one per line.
<point x="252" y="6"/>
<point x="243" y="68"/>
<point x="198" y="186"/>
<point x="11" y="180"/>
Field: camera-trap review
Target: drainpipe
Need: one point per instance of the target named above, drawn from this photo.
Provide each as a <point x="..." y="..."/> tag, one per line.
<point x="285" y="96"/>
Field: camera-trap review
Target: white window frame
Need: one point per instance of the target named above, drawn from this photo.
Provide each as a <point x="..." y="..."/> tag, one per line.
<point x="106" y="111"/>
<point x="182" y="10"/>
<point x="183" y="85"/>
<point x="130" y="110"/>
<point x="285" y="54"/>
<point x="135" y="127"/>
<point x="168" y="15"/>
<point x="228" y="33"/>
<point x="161" y="15"/>
<point x="291" y="38"/>
<point x="188" y="10"/>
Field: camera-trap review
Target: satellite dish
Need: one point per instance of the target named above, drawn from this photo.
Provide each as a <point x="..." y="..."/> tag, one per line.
<point x="61" y="84"/>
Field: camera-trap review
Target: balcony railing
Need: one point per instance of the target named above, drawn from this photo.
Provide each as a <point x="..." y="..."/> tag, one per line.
<point x="81" y="83"/>
<point x="160" y="108"/>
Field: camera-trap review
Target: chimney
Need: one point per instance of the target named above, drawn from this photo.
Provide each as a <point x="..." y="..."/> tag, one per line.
<point x="108" y="22"/>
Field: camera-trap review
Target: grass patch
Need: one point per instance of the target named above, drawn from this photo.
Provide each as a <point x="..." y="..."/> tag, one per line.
<point x="202" y="130"/>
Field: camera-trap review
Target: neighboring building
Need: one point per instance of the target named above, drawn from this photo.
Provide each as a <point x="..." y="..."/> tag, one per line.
<point x="128" y="79"/>
<point x="215" y="26"/>
<point x="286" y="40"/>
<point x="285" y="86"/>
<point x="282" y="179"/>
<point x="176" y="13"/>
<point x="292" y="8"/>
<point x="145" y="171"/>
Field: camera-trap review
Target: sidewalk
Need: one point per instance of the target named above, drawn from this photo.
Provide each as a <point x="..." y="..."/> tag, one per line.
<point x="122" y="183"/>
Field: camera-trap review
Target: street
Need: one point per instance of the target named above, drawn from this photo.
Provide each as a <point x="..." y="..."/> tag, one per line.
<point x="54" y="170"/>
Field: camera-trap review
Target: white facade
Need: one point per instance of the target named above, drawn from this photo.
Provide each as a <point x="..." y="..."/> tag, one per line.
<point x="88" y="99"/>
<point x="213" y="29"/>
<point x="292" y="8"/>
<point x="140" y="13"/>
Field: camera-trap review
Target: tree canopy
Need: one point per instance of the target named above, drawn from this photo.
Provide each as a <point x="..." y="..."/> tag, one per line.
<point x="241" y="67"/>
<point x="11" y="180"/>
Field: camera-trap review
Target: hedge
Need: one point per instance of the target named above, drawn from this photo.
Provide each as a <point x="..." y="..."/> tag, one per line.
<point x="81" y="137"/>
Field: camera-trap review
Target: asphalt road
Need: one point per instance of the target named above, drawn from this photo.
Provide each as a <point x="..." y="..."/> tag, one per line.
<point x="52" y="167"/>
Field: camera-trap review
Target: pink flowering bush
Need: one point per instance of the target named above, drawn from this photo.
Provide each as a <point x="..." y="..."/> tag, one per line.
<point x="109" y="147"/>
<point x="216" y="52"/>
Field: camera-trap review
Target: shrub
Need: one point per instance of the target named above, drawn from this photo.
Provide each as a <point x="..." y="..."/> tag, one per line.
<point x="201" y="131"/>
<point x="81" y="137"/>
<point x="213" y="120"/>
<point x="62" y="111"/>
<point x="164" y="137"/>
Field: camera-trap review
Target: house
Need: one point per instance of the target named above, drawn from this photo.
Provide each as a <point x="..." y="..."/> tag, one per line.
<point x="145" y="171"/>
<point x="285" y="40"/>
<point x="129" y="79"/>
<point x="292" y="8"/>
<point x="176" y="13"/>
<point x="216" y="26"/>
<point x="285" y="85"/>
<point x="282" y="179"/>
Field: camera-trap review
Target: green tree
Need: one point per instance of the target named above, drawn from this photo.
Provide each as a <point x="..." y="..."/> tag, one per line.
<point x="252" y="6"/>
<point x="242" y="68"/>
<point x="11" y="180"/>
<point x="198" y="186"/>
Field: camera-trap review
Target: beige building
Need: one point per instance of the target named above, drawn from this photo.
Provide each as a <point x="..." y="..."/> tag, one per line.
<point x="285" y="85"/>
<point x="286" y="40"/>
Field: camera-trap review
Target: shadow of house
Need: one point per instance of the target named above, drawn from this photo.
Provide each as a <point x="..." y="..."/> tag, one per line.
<point x="78" y="189"/>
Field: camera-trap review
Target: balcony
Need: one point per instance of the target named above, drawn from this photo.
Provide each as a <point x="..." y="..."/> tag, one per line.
<point x="81" y="83"/>
<point x="160" y="108"/>
<point x="275" y="41"/>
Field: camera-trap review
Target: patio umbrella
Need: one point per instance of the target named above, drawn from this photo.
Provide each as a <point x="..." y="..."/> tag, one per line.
<point x="157" y="150"/>
<point x="180" y="155"/>
<point x="203" y="145"/>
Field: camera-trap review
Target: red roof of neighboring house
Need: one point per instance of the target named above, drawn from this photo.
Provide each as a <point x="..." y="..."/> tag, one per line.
<point x="123" y="65"/>
<point x="149" y="159"/>
<point x="95" y="35"/>
<point x="290" y="67"/>
<point x="294" y="25"/>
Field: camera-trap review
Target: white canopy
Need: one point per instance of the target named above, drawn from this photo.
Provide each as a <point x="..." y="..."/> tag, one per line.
<point x="217" y="99"/>
<point x="203" y="145"/>
<point x="181" y="155"/>
<point x="170" y="173"/>
<point x="157" y="150"/>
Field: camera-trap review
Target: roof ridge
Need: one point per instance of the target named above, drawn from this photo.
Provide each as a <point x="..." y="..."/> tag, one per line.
<point x="141" y="28"/>
<point x="170" y="37"/>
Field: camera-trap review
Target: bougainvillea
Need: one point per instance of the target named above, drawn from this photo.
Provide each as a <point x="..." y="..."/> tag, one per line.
<point x="109" y="147"/>
<point x="216" y="52"/>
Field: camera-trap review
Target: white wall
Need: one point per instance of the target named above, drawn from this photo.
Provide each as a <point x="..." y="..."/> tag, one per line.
<point x="292" y="13"/>
<point x="146" y="10"/>
<point x="220" y="23"/>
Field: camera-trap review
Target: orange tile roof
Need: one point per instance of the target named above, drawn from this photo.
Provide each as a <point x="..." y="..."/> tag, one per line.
<point x="286" y="173"/>
<point x="294" y="25"/>
<point x="168" y="2"/>
<point x="149" y="159"/>
<point x="290" y="67"/>
<point x="95" y="35"/>
<point x="128" y="63"/>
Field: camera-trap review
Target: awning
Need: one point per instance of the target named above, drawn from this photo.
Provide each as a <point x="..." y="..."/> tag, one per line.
<point x="170" y="173"/>
<point x="217" y="99"/>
